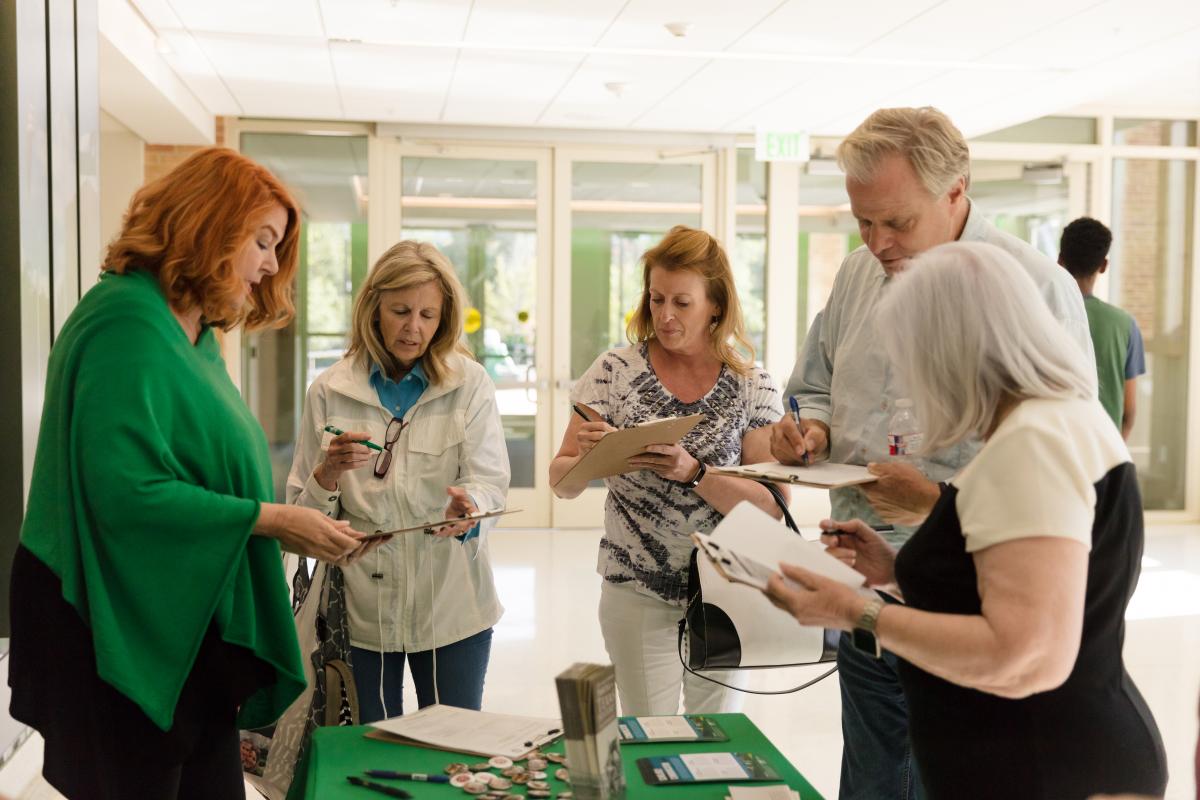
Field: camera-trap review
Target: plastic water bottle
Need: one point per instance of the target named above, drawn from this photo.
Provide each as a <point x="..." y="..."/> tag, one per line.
<point x="904" y="437"/>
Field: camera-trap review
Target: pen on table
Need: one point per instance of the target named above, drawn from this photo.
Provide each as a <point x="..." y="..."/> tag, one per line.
<point x="796" y="415"/>
<point x="550" y="734"/>
<point x="367" y="442"/>
<point x="390" y="791"/>
<point x="406" y="776"/>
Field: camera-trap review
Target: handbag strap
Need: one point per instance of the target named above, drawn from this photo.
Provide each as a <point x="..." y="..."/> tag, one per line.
<point x="781" y="502"/>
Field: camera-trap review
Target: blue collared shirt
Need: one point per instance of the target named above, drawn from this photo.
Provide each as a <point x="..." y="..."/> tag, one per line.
<point x="400" y="396"/>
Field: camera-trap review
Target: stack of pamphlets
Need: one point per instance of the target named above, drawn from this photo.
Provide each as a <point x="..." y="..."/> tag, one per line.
<point x="587" y="698"/>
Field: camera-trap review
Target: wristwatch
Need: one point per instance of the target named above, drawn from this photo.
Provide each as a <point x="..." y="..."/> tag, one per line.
<point x="695" y="481"/>
<point x="863" y="636"/>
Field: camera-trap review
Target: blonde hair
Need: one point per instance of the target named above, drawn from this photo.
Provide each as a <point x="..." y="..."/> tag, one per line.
<point x="965" y="326"/>
<point x="690" y="249"/>
<point x="405" y="265"/>
<point x="925" y="136"/>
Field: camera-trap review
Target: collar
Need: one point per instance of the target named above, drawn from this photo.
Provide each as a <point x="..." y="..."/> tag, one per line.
<point x="975" y="229"/>
<point x="351" y="377"/>
<point x="417" y="374"/>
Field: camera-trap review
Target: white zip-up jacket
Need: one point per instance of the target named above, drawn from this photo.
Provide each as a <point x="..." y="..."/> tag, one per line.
<point x="416" y="591"/>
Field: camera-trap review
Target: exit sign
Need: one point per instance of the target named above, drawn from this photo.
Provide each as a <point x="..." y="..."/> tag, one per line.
<point x="781" y="145"/>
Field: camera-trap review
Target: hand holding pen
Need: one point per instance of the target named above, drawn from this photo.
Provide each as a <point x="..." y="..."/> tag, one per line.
<point x="348" y="450"/>
<point x="862" y="547"/>
<point x="795" y="440"/>
<point x="592" y="430"/>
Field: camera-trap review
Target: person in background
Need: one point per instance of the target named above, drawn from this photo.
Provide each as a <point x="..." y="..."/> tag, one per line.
<point x="689" y="354"/>
<point x="150" y="614"/>
<point x="1011" y="631"/>
<point x="408" y="385"/>
<point x="907" y="175"/>
<point x="1120" y="352"/>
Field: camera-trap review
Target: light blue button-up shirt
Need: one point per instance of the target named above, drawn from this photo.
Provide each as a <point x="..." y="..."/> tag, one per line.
<point x="844" y="379"/>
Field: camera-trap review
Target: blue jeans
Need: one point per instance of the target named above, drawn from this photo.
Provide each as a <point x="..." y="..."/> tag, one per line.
<point x="461" y="667"/>
<point x="877" y="760"/>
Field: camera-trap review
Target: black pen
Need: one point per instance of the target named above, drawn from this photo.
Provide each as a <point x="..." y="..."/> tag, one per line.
<point x="575" y="407"/>
<point x="390" y="791"/>
<point x="880" y="529"/>
<point x="550" y="734"/>
<point x="407" y="776"/>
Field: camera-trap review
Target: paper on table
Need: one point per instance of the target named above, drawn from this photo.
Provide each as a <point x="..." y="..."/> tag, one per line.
<point x="823" y="474"/>
<point x="479" y="732"/>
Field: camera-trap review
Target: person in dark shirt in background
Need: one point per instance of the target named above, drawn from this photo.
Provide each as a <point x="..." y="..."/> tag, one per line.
<point x="1120" y="353"/>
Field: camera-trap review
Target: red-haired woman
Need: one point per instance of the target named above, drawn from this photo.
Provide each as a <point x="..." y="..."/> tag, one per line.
<point x="150" y="614"/>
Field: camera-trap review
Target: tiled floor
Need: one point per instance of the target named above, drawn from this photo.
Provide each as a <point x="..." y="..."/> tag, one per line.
<point x="549" y="587"/>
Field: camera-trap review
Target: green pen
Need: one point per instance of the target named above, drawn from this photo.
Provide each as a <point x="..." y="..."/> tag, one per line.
<point x="367" y="442"/>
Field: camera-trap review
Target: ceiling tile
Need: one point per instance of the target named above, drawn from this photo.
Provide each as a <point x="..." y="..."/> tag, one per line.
<point x="705" y="102"/>
<point x="831" y="92"/>
<point x="392" y="83"/>
<point x="190" y="63"/>
<point x="398" y="21"/>
<point x="266" y="17"/>
<point x="712" y="26"/>
<point x="505" y="88"/>
<point x="541" y="22"/>
<point x="830" y="28"/>
<point x="275" y="78"/>
<point x="1098" y="34"/>
<point x="962" y="30"/>
<point x="646" y="79"/>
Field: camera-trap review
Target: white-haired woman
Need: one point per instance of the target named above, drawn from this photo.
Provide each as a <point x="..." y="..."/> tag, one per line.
<point x="409" y="386"/>
<point x="1015" y="586"/>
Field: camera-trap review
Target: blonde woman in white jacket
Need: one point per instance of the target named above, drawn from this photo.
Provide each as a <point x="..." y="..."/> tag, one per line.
<point x="408" y="385"/>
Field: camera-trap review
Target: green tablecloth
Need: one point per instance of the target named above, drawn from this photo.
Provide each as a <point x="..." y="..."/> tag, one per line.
<point x="338" y="752"/>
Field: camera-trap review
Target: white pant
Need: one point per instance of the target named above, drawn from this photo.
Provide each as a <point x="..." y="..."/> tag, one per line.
<point x="641" y="636"/>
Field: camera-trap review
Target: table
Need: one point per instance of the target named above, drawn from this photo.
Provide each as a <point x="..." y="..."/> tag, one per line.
<point x="338" y="752"/>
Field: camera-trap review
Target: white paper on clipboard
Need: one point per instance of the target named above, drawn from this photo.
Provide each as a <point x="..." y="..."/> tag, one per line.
<point x="481" y="733"/>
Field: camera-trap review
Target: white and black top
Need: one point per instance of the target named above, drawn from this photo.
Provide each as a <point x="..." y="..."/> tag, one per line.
<point x="647" y="518"/>
<point x="1052" y="468"/>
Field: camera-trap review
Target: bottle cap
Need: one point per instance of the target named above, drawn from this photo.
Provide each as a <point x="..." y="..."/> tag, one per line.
<point x="904" y="402"/>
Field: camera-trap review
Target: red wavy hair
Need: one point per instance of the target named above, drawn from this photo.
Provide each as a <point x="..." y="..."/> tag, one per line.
<point x="186" y="228"/>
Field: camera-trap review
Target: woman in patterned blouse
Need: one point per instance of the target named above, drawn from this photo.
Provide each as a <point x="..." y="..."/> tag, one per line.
<point x="688" y="354"/>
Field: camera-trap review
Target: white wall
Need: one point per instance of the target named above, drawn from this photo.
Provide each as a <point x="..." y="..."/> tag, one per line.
<point x="121" y="174"/>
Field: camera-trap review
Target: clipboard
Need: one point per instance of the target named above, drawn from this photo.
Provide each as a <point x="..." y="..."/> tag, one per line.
<point x="822" y="475"/>
<point x="609" y="455"/>
<point x="430" y="526"/>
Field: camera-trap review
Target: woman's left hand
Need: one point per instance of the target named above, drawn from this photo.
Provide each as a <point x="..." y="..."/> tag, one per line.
<point x="814" y="599"/>
<point x="670" y="461"/>
<point x="460" y="505"/>
<point x="366" y="547"/>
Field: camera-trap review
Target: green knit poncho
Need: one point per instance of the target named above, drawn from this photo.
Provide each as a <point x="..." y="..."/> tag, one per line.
<point x="146" y="486"/>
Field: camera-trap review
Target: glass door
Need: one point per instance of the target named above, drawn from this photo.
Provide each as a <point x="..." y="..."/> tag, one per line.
<point x="488" y="212"/>
<point x="610" y="208"/>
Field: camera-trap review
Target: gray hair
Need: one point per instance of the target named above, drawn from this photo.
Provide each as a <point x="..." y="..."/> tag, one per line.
<point x="966" y="326"/>
<point x="934" y="147"/>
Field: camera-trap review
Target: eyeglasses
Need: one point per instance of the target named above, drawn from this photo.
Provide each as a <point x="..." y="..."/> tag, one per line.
<point x="383" y="461"/>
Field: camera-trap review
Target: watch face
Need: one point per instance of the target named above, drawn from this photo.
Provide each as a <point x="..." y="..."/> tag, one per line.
<point x="865" y="641"/>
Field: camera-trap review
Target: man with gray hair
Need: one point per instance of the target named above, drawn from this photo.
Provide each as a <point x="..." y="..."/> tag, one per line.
<point x="907" y="174"/>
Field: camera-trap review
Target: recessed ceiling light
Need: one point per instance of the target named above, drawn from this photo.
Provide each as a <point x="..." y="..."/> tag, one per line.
<point x="616" y="88"/>
<point x="678" y="29"/>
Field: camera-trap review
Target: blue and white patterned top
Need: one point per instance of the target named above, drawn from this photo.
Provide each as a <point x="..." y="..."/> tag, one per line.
<point x="647" y="518"/>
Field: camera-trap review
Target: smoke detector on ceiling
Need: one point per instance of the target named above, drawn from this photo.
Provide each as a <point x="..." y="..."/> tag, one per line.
<point x="678" y="29"/>
<point x="616" y="88"/>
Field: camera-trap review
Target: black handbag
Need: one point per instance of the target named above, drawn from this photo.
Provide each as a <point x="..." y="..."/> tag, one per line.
<point x="714" y="642"/>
